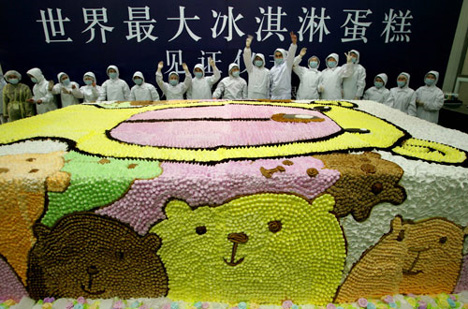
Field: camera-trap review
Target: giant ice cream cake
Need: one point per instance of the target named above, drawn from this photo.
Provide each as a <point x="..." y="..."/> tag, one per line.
<point x="232" y="201"/>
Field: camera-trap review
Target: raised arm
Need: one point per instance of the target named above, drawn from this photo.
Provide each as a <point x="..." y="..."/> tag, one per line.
<point x="216" y="74"/>
<point x="296" y="67"/>
<point x="292" y="51"/>
<point x="159" y="78"/>
<point x="188" y="77"/>
<point x="248" y="54"/>
<point x="348" y="69"/>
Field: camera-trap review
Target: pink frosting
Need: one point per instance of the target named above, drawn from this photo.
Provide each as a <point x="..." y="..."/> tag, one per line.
<point x="10" y="285"/>
<point x="213" y="185"/>
<point x="227" y="125"/>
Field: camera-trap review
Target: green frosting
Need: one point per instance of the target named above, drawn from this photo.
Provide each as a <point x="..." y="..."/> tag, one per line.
<point x="95" y="182"/>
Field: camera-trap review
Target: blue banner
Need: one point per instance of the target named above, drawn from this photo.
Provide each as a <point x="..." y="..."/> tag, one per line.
<point x="80" y="36"/>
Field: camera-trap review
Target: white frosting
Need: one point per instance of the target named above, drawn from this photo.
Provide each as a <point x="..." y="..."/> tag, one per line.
<point x="46" y="146"/>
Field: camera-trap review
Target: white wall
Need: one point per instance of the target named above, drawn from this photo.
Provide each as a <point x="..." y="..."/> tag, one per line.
<point x="456" y="55"/>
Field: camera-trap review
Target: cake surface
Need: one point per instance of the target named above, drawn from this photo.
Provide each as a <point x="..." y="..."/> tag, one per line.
<point x="233" y="201"/>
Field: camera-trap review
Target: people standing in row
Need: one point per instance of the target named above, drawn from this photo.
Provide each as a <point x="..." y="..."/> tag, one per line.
<point x="263" y="84"/>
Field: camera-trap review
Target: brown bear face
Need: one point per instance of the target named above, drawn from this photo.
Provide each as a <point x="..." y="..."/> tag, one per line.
<point x="434" y="256"/>
<point x="366" y="180"/>
<point x="95" y="257"/>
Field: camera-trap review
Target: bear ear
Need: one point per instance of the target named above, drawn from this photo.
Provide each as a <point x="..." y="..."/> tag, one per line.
<point x="397" y="223"/>
<point x="325" y="202"/>
<point x="152" y="241"/>
<point x="40" y="230"/>
<point x="175" y="207"/>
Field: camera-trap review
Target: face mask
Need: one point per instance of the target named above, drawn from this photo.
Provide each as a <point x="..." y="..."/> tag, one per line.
<point x="138" y="81"/>
<point x="401" y="84"/>
<point x="13" y="81"/>
<point x="313" y="64"/>
<point x="258" y="63"/>
<point x="236" y="73"/>
<point x="34" y="80"/>
<point x="113" y="75"/>
<point x="378" y="84"/>
<point x="173" y="82"/>
<point x="66" y="82"/>
<point x="331" y="64"/>
<point x="429" y="81"/>
<point x="278" y="61"/>
<point x="198" y="74"/>
<point x="353" y="60"/>
<point x="88" y="81"/>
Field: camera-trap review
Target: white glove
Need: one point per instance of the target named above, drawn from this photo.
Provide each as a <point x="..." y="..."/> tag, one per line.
<point x="303" y="52"/>
<point x="349" y="58"/>
<point x="293" y="38"/>
<point x="248" y="41"/>
<point x="211" y="62"/>
<point x="184" y="66"/>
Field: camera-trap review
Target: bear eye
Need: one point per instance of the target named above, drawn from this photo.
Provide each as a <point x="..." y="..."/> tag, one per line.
<point x="377" y="188"/>
<point x="443" y="240"/>
<point x="275" y="226"/>
<point x="200" y="230"/>
<point x="401" y="235"/>
<point x="119" y="255"/>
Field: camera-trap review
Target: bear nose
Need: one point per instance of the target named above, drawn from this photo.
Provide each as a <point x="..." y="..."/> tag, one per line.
<point x="238" y="238"/>
<point x="92" y="270"/>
